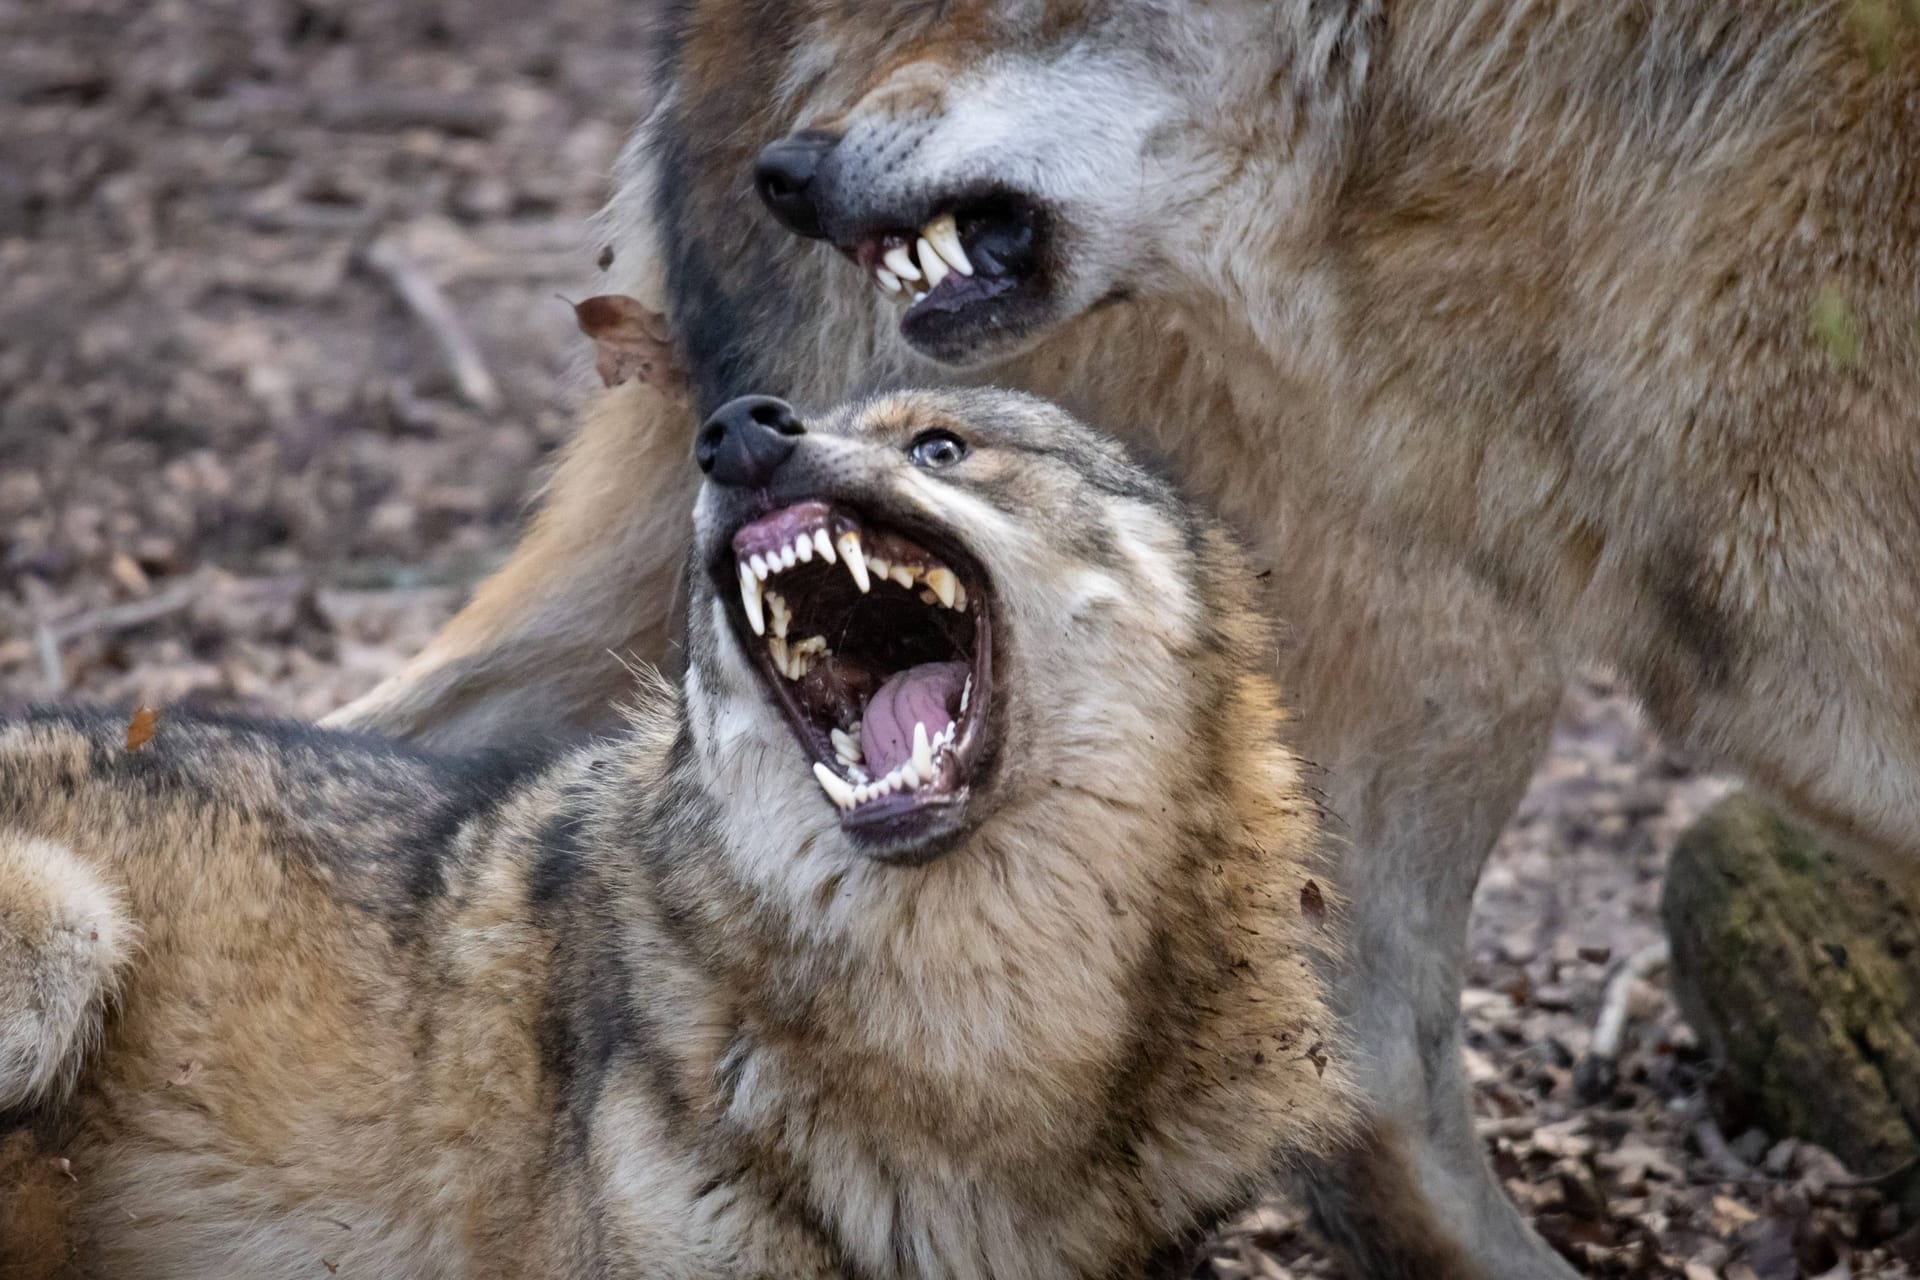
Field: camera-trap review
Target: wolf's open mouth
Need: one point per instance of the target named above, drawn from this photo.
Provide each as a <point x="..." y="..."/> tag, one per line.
<point x="878" y="649"/>
<point x="971" y="267"/>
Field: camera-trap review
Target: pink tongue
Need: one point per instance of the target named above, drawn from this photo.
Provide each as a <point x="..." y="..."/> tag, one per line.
<point x="928" y="694"/>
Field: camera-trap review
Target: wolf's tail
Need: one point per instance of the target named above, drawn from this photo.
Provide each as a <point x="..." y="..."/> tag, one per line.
<point x="65" y="938"/>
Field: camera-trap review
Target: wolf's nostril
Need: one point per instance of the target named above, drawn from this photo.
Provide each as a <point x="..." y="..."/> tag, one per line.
<point x="776" y="414"/>
<point x="783" y="175"/>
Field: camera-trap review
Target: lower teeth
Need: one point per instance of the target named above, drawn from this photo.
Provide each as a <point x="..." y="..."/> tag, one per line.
<point x="906" y="776"/>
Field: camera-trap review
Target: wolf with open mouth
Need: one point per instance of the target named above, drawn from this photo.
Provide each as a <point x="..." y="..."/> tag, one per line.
<point x="953" y="919"/>
<point x="874" y="645"/>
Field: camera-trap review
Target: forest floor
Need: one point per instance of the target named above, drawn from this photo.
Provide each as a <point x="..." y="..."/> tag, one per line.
<point x="237" y="470"/>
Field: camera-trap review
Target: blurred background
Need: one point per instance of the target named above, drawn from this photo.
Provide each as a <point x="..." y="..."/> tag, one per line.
<point x="283" y="349"/>
<point x="280" y="342"/>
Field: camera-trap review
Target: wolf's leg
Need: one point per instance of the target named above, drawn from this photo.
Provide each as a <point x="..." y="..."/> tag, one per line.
<point x="1429" y="707"/>
<point x="541" y="646"/>
<point x="63" y="939"/>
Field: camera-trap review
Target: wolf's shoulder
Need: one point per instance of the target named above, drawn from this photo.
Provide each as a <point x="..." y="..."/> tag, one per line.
<point x="365" y="806"/>
<point x="188" y="754"/>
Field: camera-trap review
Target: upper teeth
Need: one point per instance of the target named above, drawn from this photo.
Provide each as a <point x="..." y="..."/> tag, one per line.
<point x="944" y="585"/>
<point x="856" y="562"/>
<point x="916" y="771"/>
<point x="899" y="260"/>
<point x="944" y="238"/>
<point x="940" y="254"/>
<point x="941" y="584"/>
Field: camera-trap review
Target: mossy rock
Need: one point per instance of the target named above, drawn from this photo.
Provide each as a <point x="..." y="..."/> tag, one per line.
<point x="1800" y="970"/>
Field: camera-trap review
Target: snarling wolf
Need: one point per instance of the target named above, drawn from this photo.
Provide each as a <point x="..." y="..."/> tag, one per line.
<point x="955" y="918"/>
<point x="1513" y="332"/>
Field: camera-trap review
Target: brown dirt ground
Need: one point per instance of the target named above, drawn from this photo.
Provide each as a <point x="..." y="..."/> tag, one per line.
<point x="235" y="471"/>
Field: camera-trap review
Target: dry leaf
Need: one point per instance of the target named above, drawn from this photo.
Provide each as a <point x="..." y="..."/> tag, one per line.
<point x="631" y="342"/>
<point x="140" y="728"/>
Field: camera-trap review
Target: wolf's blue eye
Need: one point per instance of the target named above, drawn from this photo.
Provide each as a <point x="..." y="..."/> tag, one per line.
<point x="936" y="449"/>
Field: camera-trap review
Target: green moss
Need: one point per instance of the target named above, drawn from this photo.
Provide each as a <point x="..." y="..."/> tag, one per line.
<point x="1804" y="973"/>
<point x="1833" y="326"/>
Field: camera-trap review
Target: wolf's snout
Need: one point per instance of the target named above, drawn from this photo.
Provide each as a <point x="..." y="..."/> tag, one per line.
<point x="746" y="440"/>
<point x="784" y="173"/>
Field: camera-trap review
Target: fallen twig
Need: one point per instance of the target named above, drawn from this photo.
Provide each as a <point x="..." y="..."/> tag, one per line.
<point x="1599" y="1070"/>
<point x="1713" y="1145"/>
<point x="430" y="306"/>
<point x="50" y="636"/>
<point x="53" y="671"/>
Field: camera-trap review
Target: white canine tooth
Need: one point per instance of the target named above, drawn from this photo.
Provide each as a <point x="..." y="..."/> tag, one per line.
<point x="903" y="574"/>
<point x="750" y="597"/>
<point x="856" y="561"/>
<point x="782" y="616"/>
<point x="803" y="547"/>
<point x="965" y="693"/>
<point x="944" y="236"/>
<point x="908" y="777"/>
<point x="944" y="585"/>
<point x="878" y="567"/>
<point x="920" y="297"/>
<point x="886" y="279"/>
<point x="922" y="752"/>
<point x="847" y="746"/>
<point x="959" y="597"/>
<point x="788" y="556"/>
<point x="899" y="260"/>
<point x="933" y="264"/>
<point x="760" y="569"/>
<point x="824" y="545"/>
<point x="834" y="785"/>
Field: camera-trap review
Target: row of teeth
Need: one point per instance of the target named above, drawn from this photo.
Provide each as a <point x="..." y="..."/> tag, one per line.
<point x="911" y="773"/>
<point x="941" y="586"/>
<point x="940" y="255"/>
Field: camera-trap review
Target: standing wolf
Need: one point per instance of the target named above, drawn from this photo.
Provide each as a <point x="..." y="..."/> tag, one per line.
<point x="954" y="921"/>
<point x="1513" y="331"/>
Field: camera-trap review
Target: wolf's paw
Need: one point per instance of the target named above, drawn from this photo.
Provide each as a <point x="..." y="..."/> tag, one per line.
<point x="63" y="936"/>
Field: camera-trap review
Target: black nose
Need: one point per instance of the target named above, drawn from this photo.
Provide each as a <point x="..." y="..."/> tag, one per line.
<point x="784" y="174"/>
<point x="746" y="440"/>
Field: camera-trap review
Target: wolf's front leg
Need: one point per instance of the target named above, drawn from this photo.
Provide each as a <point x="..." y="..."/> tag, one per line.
<point x="1429" y="706"/>
<point x="594" y="584"/>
